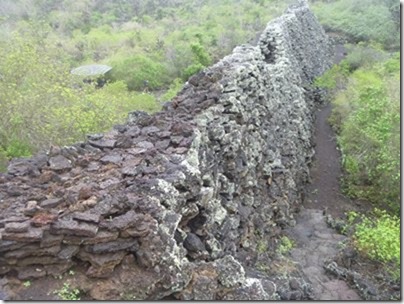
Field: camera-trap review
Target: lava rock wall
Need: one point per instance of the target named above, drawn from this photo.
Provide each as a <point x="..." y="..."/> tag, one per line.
<point x="176" y="203"/>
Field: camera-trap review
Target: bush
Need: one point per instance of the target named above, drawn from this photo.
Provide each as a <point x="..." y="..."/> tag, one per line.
<point x="369" y="139"/>
<point x="366" y="116"/>
<point x="175" y="87"/>
<point x="364" y="55"/>
<point x="43" y="104"/>
<point x="378" y="237"/>
<point x="191" y="70"/>
<point x="362" y="20"/>
<point x="134" y="70"/>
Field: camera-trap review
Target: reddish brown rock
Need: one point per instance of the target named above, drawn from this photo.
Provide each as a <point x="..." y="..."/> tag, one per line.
<point x="30" y="272"/>
<point x="102" y="265"/>
<point x="43" y="219"/>
<point x="58" y="269"/>
<point x="85" y="192"/>
<point x="32" y="250"/>
<point x="70" y="227"/>
<point x="50" y="240"/>
<point x="101" y="237"/>
<point x="40" y="260"/>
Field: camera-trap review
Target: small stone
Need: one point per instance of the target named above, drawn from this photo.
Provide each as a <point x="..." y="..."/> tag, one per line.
<point x="102" y="237"/>
<point x="43" y="219"/>
<point x="41" y="260"/>
<point x="109" y="182"/>
<point x="118" y="245"/>
<point x="50" y="240"/>
<point x="32" y="235"/>
<point x="85" y="192"/>
<point x="68" y="252"/>
<point x="86" y="217"/>
<point x="100" y="260"/>
<point x="193" y="243"/>
<point x="32" y="250"/>
<point x="31" y="272"/>
<point x="10" y="245"/>
<point x="31" y="208"/>
<point x="59" y="163"/>
<point x="16" y="227"/>
<point x="103" y="143"/>
<point x="58" y="269"/>
<point x="122" y="222"/>
<point x="294" y="284"/>
<point x="4" y="270"/>
<point x="51" y="203"/>
<point x="111" y="158"/>
<point x="70" y="227"/>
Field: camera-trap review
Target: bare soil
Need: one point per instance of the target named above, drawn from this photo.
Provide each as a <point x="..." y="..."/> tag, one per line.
<point x="315" y="241"/>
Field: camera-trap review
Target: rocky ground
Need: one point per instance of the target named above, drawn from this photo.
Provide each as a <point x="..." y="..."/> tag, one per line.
<point x="334" y="270"/>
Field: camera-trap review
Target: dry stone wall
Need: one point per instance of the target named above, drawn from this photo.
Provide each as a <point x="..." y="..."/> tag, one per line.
<point x="176" y="203"/>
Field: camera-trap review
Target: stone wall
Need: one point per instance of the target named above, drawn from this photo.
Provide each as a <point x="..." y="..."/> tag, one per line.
<point x="177" y="203"/>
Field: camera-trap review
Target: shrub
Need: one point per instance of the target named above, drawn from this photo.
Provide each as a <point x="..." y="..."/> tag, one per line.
<point x="43" y="104"/>
<point x="378" y="237"/>
<point x="134" y="70"/>
<point x="285" y="245"/>
<point x="175" y="87"/>
<point x="191" y="70"/>
<point x="366" y="116"/>
<point x="363" y="20"/>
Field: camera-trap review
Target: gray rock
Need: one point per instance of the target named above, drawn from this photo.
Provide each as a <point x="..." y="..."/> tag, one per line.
<point x="59" y="163"/>
<point x="193" y="243"/>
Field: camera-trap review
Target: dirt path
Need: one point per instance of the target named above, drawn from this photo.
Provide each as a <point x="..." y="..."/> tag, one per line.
<point x="315" y="241"/>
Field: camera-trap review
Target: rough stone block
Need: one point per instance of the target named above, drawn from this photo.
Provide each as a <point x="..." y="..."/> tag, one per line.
<point x="10" y="245"/>
<point x="51" y="203"/>
<point x="68" y="252"/>
<point x="16" y="227"/>
<point x="118" y="245"/>
<point x="58" y="269"/>
<point x="103" y="143"/>
<point x="101" y="237"/>
<point x="86" y="217"/>
<point x="50" y="240"/>
<point x="32" y="235"/>
<point x="32" y="250"/>
<point x="30" y="272"/>
<point x="59" y="163"/>
<point x="70" y="227"/>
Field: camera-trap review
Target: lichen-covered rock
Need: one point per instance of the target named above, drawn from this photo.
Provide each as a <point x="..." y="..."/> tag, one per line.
<point x="179" y="203"/>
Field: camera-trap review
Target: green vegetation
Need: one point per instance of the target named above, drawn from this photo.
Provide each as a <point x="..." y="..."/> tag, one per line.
<point x="153" y="47"/>
<point x="67" y="293"/>
<point x="27" y="283"/>
<point x="46" y="105"/>
<point x="365" y="93"/>
<point x="378" y="236"/>
<point x="366" y="116"/>
<point x="365" y="20"/>
<point x="285" y="245"/>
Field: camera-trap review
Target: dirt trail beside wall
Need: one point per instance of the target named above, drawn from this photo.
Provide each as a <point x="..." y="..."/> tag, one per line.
<point x="315" y="241"/>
